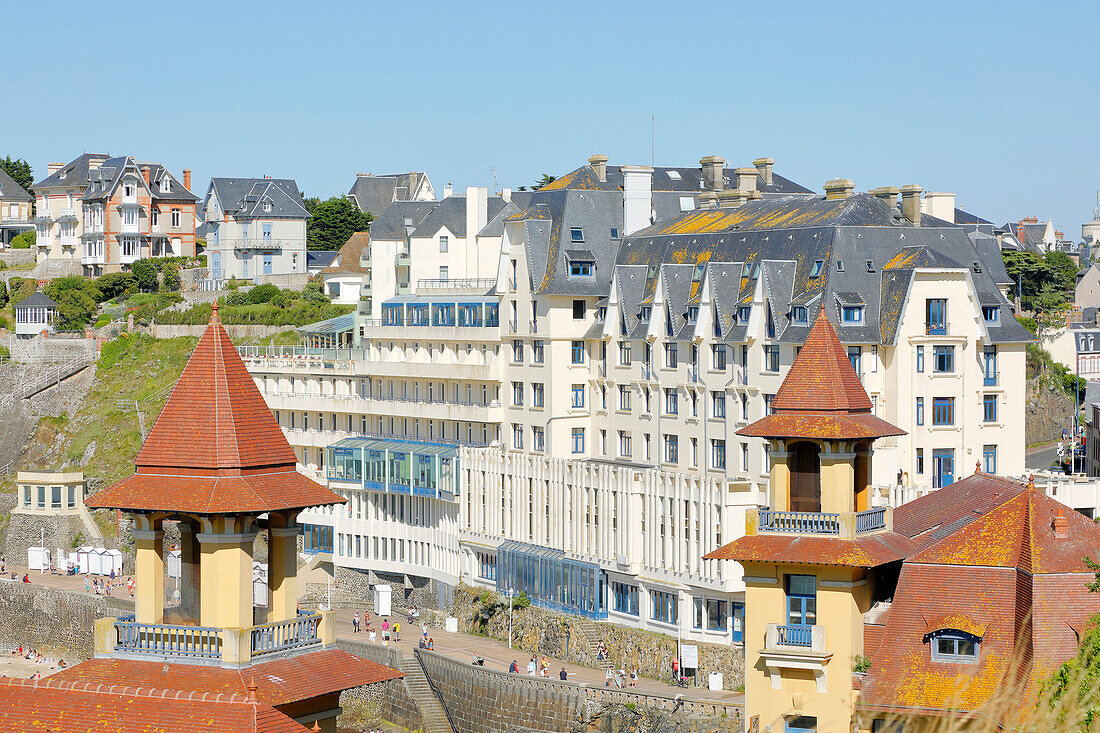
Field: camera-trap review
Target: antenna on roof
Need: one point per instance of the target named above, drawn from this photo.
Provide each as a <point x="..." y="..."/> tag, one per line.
<point x="652" y="139"/>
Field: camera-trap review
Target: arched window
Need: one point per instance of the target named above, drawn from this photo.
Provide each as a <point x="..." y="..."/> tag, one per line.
<point x="952" y="645"/>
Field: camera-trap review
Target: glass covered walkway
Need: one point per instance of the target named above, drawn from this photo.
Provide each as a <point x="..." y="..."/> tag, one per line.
<point x="552" y="580"/>
<point x="397" y="466"/>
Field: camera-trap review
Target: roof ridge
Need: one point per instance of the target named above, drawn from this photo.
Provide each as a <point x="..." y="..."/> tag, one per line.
<point x="161" y="693"/>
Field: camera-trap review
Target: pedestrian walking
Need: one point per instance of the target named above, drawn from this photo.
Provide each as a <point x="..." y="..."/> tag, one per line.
<point x="355" y="623"/>
<point x="513" y="667"/>
<point x="607" y="677"/>
<point x="397" y="632"/>
<point x="562" y="675"/>
<point x="373" y="635"/>
<point x="634" y="676"/>
<point x="532" y="666"/>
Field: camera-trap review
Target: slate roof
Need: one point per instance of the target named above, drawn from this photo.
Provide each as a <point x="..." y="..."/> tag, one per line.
<point x="863" y="233"/>
<point x="451" y="213"/>
<point x="682" y="179"/>
<point x="243" y="198"/>
<point x="318" y="259"/>
<point x="75" y="173"/>
<point x="12" y="191"/>
<point x="372" y="194"/>
<point x="36" y="299"/>
<point x="390" y="225"/>
<point x="103" y="181"/>
<point x="215" y="447"/>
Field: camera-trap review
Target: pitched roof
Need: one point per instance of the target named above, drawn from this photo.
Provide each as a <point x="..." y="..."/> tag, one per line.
<point x="62" y="707"/>
<point x="821" y="396"/>
<point x="863" y="552"/>
<point x="215" y="447"/>
<point x="12" y="191"/>
<point x="244" y="198"/>
<point x="348" y="258"/>
<point x="36" y="299"/>
<point x="74" y="173"/>
<point x="103" y="180"/>
<point x="372" y="194"/>
<point x="677" y="179"/>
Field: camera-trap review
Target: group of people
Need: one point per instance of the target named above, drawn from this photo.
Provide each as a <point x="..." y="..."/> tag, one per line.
<point x="618" y="677"/>
<point x="32" y="655"/>
<point x="103" y="586"/>
<point x="537" y="666"/>
<point x="389" y="631"/>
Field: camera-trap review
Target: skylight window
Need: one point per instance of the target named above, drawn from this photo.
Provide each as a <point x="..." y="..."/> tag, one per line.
<point x="697" y="273"/>
<point x="687" y="203"/>
<point x="614" y="232"/>
<point x="576" y="234"/>
<point x="816" y="269"/>
<point x="840" y="265"/>
<point x="870" y="266"/>
<point x="674" y="175"/>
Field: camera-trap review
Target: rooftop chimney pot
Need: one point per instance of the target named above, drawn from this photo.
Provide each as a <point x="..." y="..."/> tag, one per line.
<point x="839" y="188"/>
<point x="599" y="165"/>
<point x="745" y="178"/>
<point x="764" y="168"/>
<point x="910" y="203"/>
<point x="145" y="174"/>
<point x="734" y="198"/>
<point x="447" y="191"/>
<point x="714" y="172"/>
<point x="886" y="194"/>
<point x="1060" y="525"/>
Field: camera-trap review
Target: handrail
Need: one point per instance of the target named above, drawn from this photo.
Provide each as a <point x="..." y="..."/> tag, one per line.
<point x="405" y="400"/>
<point x="290" y="634"/>
<point x="796" y="635"/>
<point x="870" y="520"/>
<point x="188" y="641"/>
<point x="810" y="522"/>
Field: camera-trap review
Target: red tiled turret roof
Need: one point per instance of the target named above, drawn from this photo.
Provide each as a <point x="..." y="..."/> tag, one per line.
<point x="215" y="447"/>
<point x="821" y="396"/>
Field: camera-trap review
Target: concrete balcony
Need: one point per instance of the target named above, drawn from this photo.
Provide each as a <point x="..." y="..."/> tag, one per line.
<point x="129" y="258"/>
<point x="482" y="412"/>
<point x="131" y="228"/>
<point x="403" y="259"/>
<point x="258" y="243"/>
<point x="843" y="525"/>
<point x="795" y="647"/>
<point x="66" y="215"/>
<point x="95" y="258"/>
<point x="403" y="288"/>
<point x="69" y="240"/>
<point x="207" y="646"/>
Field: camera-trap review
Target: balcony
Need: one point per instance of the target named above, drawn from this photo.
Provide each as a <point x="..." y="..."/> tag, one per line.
<point x="992" y="380"/>
<point x="129" y="257"/>
<point x="403" y="288"/>
<point x="131" y="227"/>
<point x="69" y="240"/>
<point x="795" y="647"/>
<point x="846" y="525"/>
<point x="534" y="326"/>
<point x="66" y="215"/>
<point x="212" y="646"/>
<point x="42" y="216"/>
<point x="935" y="329"/>
<point x="261" y="243"/>
<point x="403" y="259"/>
<point x="92" y="258"/>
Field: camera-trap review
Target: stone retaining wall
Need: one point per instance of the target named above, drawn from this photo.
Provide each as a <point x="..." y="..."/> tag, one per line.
<point x="365" y="707"/>
<point x="58" y="623"/>
<point x="38" y="349"/>
<point x="26" y="530"/>
<point x="17" y="256"/>
<point x="162" y="331"/>
<point x="481" y="700"/>
<point x="560" y="636"/>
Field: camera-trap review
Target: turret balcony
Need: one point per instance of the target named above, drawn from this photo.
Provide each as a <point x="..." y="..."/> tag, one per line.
<point x="840" y="525"/>
<point x="795" y="647"/>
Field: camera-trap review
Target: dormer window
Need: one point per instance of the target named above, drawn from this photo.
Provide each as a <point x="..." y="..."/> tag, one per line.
<point x="840" y="265"/>
<point x="693" y="314"/>
<point x="816" y="269"/>
<point x="581" y="268"/>
<point x="991" y="313"/>
<point x="976" y="266"/>
<point x="697" y="273"/>
<point x="128" y="189"/>
<point x="165" y="184"/>
<point x="951" y="645"/>
<point x="267" y="206"/>
<point x="576" y="234"/>
<point x="852" y="314"/>
<point x="755" y="271"/>
<point x="645" y="312"/>
<point x="743" y="313"/>
<point x="798" y="314"/>
<point x="614" y="232"/>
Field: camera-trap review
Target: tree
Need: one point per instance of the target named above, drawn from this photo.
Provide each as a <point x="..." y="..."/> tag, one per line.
<point x="172" y="281"/>
<point x="333" y="222"/>
<point x="145" y="273"/>
<point x="114" y="284"/>
<point x="544" y="180"/>
<point x="20" y="170"/>
<point x="77" y="298"/>
<point x="1050" y="309"/>
<point x="3" y="293"/>
<point x="311" y="203"/>
<point x="262" y="293"/>
<point x="1062" y="269"/>
<point x="24" y="240"/>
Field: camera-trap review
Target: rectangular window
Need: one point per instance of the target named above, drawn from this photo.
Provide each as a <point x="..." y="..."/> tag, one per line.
<point x="718" y="403"/>
<point x="580" y="268"/>
<point x="851" y="314"/>
<point x="578" y="309"/>
<point x="771" y="358"/>
<point x="624" y="397"/>
<point x="671" y="401"/>
<point x="801" y="600"/>
<point x="670" y="355"/>
<point x="989" y="458"/>
<point x="743" y="313"/>
<point x="990" y="355"/>
<point x="855" y="356"/>
<point x="989" y="407"/>
<point x="954" y="647"/>
<point x="625" y="598"/>
<point x="624" y="353"/>
<point x="672" y="449"/>
<point x="577" y="352"/>
<point x="175" y="218"/>
<point x="920" y="359"/>
<point x="517" y="352"/>
<point x="717" y="453"/>
<point x="666" y="606"/>
<point x="576" y="234"/>
<point x="718" y="356"/>
<point x="936" y="316"/>
<point x="943" y="410"/>
<point x="943" y="359"/>
<point x="517" y="436"/>
<point x="577" y="401"/>
<point x="444" y="243"/>
<point x="578" y="440"/>
<point x="687" y="203"/>
<point x="991" y="313"/>
<point x="768" y="403"/>
<point x="943" y="467"/>
<point x="744" y="456"/>
<point x="444" y="273"/>
<point x="624" y="444"/>
<point x="267" y="231"/>
<point x="538" y="439"/>
<point x="920" y="411"/>
<point x="537" y="395"/>
<point x="517" y="394"/>
<point x="920" y="460"/>
<point x="798" y="314"/>
<point x="537" y="355"/>
<point x="716" y="614"/>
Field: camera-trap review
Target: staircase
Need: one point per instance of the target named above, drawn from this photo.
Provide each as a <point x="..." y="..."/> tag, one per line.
<point x="590" y="637"/>
<point x="416" y="682"/>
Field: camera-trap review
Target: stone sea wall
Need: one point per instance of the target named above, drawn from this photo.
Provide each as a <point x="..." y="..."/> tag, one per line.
<point x="57" y="623"/>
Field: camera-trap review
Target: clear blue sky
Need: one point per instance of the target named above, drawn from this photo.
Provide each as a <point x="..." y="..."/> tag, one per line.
<point x="997" y="102"/>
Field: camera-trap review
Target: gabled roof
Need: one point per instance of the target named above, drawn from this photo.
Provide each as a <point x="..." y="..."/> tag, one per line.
<point x="12" y="191"/>
<point x="348" y="258"/>
<point x="103" y="181"/>
<point x="244" y="198"/>
<point x="390" y="226"/>
<point x="372" y="194"/>
<point x="215" y="447"/>
<point x="451" y="214"/>
<point x="75" y="173"/>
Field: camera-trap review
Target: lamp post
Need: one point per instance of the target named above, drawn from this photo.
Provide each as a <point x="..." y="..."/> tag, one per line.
<point x="511" y="593"/>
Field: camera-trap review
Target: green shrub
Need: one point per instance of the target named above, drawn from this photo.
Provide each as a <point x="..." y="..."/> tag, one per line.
<point x="1028" y="323"/>
<point x="145" y="272"/>
<point x="103" y="320"/>
<point x="21" y="289"/>
<point x="114" y="284"/>
<point x="231" y="284"/>
<point x="235" y="298"/>
<point x="172" y="279"/>
<point x="25" y="240"/>
<point x="3" y="293"/>
<point x="262" y="293"/>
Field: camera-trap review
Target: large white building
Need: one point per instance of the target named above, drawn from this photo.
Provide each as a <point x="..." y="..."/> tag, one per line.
<point x="257" y="227"/>
<point x="571" y="430"/>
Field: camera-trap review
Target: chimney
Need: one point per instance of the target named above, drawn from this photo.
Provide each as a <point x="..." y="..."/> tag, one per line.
<point x="637" y="198"/>
<point x="1060" y="525"/>
<point x="714" y="172"/>
<point x="145" y="174"/>
<point x="599" y="165"/>
<point x="745" y="178"/>
<point x="839" y="188"/>
<point x="448" y="190"/>
<point x="477" y="210"/>
<point x="708" y="200"/>
<point x="886" y="194"/>
<point x="939" y="204"/>
<point x="187" y="178"/>
<point x="506" y="194"/>
<point x="94" y="163"/>
<point x="52" y="168"/>
<point x="910" y="203"/>
<point x="734" y="198"/>
<point x="764" y="168"/>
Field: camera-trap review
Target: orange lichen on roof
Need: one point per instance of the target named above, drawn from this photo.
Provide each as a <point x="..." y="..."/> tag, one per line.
<point x="902" y="260"/>
<point x="583" y="179"/>
<point x="864" y="552"/>
<point x="958" y="622"/>
<point x="536" y="211"/>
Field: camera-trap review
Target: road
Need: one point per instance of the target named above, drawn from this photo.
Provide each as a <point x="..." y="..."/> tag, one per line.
<point x="1040" y="458"/>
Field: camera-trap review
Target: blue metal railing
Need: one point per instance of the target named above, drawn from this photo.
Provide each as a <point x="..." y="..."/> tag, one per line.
<point x="280" y="635"/>
<point x="871" y="520"/>
<point x="794" y="522"/>
<point x="188" y="641"/>
<point x="990" y="380"/>
<point x="796" y="635"/>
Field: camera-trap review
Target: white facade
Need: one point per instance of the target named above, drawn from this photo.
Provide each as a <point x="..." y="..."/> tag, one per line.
<point x="261" y="231"/>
